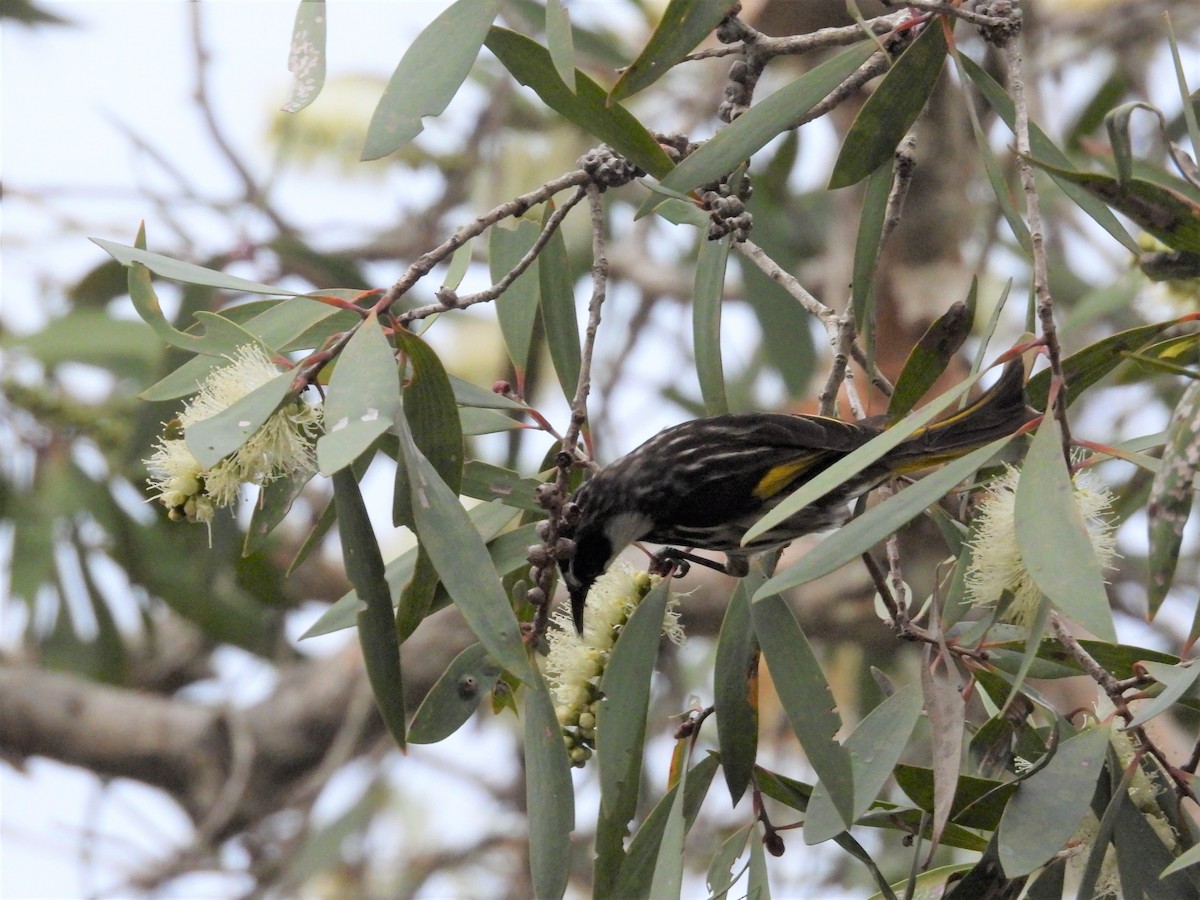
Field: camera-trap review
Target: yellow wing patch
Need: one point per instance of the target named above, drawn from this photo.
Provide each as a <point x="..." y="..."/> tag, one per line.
<point x="780" y="476"/>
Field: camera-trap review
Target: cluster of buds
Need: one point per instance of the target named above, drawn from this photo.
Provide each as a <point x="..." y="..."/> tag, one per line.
<point x="739" y="90"/>
<point x="608" y="168"/>
<point x="1008" y="12"/>
<point x="575" y="662"/>
<point x="727" y="209"/>
<point x="555" y="547"/>
<point x="282" y="446"/>
<point x="676" y="146"/>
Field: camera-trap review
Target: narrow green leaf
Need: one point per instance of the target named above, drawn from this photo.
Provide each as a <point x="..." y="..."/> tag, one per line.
<point x="867" y="530"/>
<point x="758" y="885"/>
<point x="1043" y="148"/>
<point x="557" y="298"/>
<point x="684" y="24"/>
<point x="855" y="462"/>
<point x="1168" y="215"/>
<point x="756" y="127"/>
<point x="550" y="795"/>
<point x="517" y="307"/>
<point x="428" y="75"/>
<point x="214" y="438"/>
<point x="874" y="747"/>
<point x="1117" y="125"/>
<point x="978" y="802"/>
<point x="489" y="519"/>
<point x="530" y="63"/>
<point x="1089" y="365"/>
<point x="721" y="877"/>
<point x="461" y="559"/>
<point x="804" y="692"/>
<point x="932" y="354"/>
<point x="455" y="696"/>
<point x="625" y="693"/>
<point x="1046" y="808"/>
<point x="1178" y="680"/>
<point x="1050" y="529"/>
<point x="641" y="862"/>
<point x="145" y="302"/>
<point x="473" y="395"/>
<point x="735" y="687"/>
<point x="1183" y="861"/>
<point x="667" y="881"/>
<point x="892" y="108"/>
<point x="486" y="421"/>
<point x="433" y="417"/>
<point x="274" y="501"/>
<point x="1172" y="496"/>
<point x="376" y="624"/>
<point x="866" y="247"/>
<point x="485" y="481"/>
<point x="188" y="273"/>
<point x="561" y="42"/>
<point x="306" y="59"/>
<point x="362" y="400"/>
<point x="707" y="299"/>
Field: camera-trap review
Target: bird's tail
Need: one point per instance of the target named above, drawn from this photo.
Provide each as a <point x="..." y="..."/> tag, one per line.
<point x="1000" y="410"/>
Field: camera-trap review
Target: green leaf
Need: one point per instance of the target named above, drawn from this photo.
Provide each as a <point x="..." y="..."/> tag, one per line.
<point x="707" y="298"/>
<point x="587" y="106"/>
<point x="932" y="353"/>
<point x="489" y="519"/>
<point x="550" y="795"/>
<point x="755" y="128"/>
<point x="621" y="713"/>
<point x="461" y="559"/>
<point x="485" y="481"/>
<point x="978" y="802"/>
<point x="362" y="400"/>
<point x="473" y="395"/>
<point x="804" y="692"/>
<point x="274" y="501"/>
<point x="306" y="59"/>
<point x="866" y="248"/>
<point x="1168" y="215"/>
<point x="874" y="747"/>
<point x="735" y="687"/>
<point x="455" y="696"/>
<point x="433" y="420"/>
<point x="644" y="854"/>
<point x="667" y="880"/>
<point x="486" y="421"/>
<point x="721" y="877"/>
<point x="557" y="298"/>
<point x="428" y="75"/>
<point x="188" y="273"/>
<point x="214" y="438"/>
<point x="1178" y="681"/>
<point x="1043" y="148"/>
<point x="1089" y="365"/>
<point x="947" y="711"/>
<point x="376" y="624"/>
<point x="1172" y="496"/>
<point x="684" y="24"/>
<point x="561" y="42"/>
<point x="854" y="462"/>
<point x="867" y="530"/>
<point x="892" y="108"/>
<point x="1046" y="808"/>
<point x="1050" y="529"/>
<point x="517" y="307"/>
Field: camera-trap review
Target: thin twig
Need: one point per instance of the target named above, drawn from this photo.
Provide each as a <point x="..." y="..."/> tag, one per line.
<point x="1033" y="212"/>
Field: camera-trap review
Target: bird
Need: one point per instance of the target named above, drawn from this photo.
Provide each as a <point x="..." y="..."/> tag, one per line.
<point x="702" y="484"/>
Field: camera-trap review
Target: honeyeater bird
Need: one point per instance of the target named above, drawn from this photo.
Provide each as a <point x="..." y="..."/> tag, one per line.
<point x="700" y="485"/>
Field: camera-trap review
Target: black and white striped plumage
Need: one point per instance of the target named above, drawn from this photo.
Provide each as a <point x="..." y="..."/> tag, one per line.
<point x="702" y="484"/>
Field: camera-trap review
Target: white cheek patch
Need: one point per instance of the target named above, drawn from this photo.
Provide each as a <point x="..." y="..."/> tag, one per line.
<point x="625" y="528"/>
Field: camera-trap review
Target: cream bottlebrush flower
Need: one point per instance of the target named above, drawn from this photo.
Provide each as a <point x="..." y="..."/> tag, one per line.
<point x="997" y="566"/>
<point x="282" y="447"/>
<point x="575" y="662"/>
